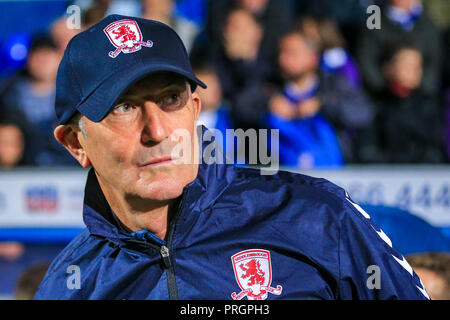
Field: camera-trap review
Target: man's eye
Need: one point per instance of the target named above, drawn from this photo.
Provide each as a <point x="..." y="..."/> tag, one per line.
<point x="123" y="108"/>
<point x="172" y="100"/>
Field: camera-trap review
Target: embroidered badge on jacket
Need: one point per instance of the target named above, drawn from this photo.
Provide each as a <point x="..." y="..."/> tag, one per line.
<point x="253" y="273"/>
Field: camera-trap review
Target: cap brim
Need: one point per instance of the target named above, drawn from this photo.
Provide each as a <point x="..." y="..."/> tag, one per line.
<point x="102" y="99"/>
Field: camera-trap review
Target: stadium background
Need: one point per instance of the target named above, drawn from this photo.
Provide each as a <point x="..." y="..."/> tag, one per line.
<point x="392" y="157"/>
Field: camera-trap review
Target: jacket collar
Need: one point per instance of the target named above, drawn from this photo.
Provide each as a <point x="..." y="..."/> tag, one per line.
<point x="211" y="181"/>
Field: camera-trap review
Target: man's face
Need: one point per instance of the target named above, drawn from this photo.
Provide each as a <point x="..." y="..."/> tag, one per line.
<point x="158" y="7"/>
<point x="43" y="64"/>
<point x="296" y="57"/>
<point x="11" y="145"/>
<point x="406" y="69"/>
<point x="255" y="6"/>
<point x="130" y="149"/>
<point x="241" y="25"/>
<point x="62" y="34"/>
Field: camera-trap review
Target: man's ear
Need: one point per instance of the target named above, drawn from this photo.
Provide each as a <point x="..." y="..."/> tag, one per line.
<point x="197" y="103"/>
<point x="69" y="138"/>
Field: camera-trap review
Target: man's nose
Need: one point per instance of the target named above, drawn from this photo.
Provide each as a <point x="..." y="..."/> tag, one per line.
<point x="155" y="127"/>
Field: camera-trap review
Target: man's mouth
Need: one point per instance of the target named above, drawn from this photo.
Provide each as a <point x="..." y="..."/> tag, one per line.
<point x="157" y="161"/>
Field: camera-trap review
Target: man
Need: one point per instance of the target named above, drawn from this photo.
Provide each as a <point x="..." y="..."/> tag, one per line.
<point x="243" y="66"/>
<point x="12" y="143"/>
<point x="409" y="124"/>
<point x="401" y="20"/>
<point x="324" y="107"/>
<point x="161" y="229"/>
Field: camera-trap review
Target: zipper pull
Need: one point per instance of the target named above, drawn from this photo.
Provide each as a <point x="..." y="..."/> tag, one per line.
<point x="165" y="255"/>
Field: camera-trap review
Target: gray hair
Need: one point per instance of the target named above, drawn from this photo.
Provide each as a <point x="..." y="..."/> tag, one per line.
<point x="77" y="120"/>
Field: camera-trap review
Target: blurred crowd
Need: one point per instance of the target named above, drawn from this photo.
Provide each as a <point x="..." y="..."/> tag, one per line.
<point x="339" y="92"/>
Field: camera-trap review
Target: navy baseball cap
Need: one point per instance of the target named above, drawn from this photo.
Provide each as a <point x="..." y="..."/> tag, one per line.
<point x="100" y="64"/>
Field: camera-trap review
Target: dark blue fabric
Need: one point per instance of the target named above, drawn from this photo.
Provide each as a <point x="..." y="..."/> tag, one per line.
<point x="320" y="244"/>
<point x="410" y="233"/>
<point x="313" y="136"/>
<point x="223" y="120"/>
<point x="146" y="235"/>
<point x="223" y="123"/>
<point x="296" y="97"/>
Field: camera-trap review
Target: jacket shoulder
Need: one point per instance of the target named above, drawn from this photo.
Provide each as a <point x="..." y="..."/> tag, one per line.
<point x="295" y="183"/>
<point x="69" y="251"/>
<point x="290" y="196"/>
<point x="74" y="254"/>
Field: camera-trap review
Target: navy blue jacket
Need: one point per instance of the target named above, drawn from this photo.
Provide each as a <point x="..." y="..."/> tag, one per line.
<point x="237" y="235"/>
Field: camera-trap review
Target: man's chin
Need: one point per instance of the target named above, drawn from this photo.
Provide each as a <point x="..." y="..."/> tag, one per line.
<point x="161" y="190"/>
<point x="164" y="184"/>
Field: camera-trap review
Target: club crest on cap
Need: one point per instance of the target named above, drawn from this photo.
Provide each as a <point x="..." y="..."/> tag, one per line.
<point x="126" y="36"/>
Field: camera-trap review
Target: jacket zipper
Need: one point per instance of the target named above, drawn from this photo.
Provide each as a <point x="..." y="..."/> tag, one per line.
<point x="164" y="251"/>
<point x="171" y="280"/>
<point x="165" y="254"/>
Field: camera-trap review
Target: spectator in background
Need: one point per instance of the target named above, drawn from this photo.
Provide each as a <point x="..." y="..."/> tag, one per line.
<point x="401" y="19"/>
<point x="94" y="13"/>
<point x="350" y="15"/>
<point x="164" y="11"/>
<point x="215" y="113"/>
<point x="12" y="142"/>
<point x="29" y="281"/>
<point x="32" y="93"/>
<point x="305" y="141"/>
<point x="335" y="58"/>
<point x="306" y="138"/>
<point x="61" y="34"/>
<point x="433" y="268"/>
<point x="409" y="123"/>
<point x="243" y="66"/>
<point x="125" y="7"/>
<point x="11" y="145"/>
<point x="11" y="250"/>
<point x="306" y="92"/>
<point x="274" y="16"/>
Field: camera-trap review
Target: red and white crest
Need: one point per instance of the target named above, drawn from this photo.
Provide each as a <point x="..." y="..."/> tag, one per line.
<point x="253" y="273"/>
<point x="126" y="36"/>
